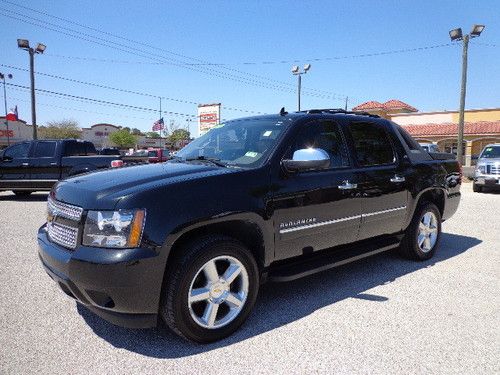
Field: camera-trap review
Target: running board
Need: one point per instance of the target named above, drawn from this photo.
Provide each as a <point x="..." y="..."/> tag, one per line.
<point x="324" y="262"/>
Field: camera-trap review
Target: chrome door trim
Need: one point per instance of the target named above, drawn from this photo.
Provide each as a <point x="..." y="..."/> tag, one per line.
<point x="320" y="224"/>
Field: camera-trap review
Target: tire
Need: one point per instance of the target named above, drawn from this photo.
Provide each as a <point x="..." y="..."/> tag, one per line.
<point x="476" y="188"/>
<point x="22" y="193"/>
<point x="191" y="318"/>
<point x="422" y="237"/>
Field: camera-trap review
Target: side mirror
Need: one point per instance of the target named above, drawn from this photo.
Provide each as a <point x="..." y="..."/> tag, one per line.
<point x="307" y="159"/>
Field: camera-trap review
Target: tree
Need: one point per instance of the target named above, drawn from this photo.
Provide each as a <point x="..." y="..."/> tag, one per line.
<point x="62" y="129"/>
<point x="179" y="135"/>
<point x="123" y="139"/>
<point x="153" y="135"/>
<point x="126" y="128"/>
<point x="136" y="131"/>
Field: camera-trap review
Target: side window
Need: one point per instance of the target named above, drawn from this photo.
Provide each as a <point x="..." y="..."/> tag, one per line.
<point x="410" y="142"/>
<point x="45" y="149"/>
<point x="90" y="149"/>
<point x="327" y="136"/>
<point x="17" y="151"/>
<point x="372" y="144"/>
<point x="74" y="149"/>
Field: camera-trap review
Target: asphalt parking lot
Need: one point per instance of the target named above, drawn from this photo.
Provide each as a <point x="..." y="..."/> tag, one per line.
<point x="380" y="315"/>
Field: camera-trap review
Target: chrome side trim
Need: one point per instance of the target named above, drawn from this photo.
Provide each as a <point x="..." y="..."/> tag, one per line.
<point x="385" y="211"/>
<point x="320" y="224"/>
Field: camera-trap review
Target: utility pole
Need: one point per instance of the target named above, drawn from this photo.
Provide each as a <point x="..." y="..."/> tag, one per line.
<point x="456" y="35"/>
<point x="346" y="100"/>
<point x="40" y="48"/>
<point x="2" y="77"/>
<point x="160" y="124"/>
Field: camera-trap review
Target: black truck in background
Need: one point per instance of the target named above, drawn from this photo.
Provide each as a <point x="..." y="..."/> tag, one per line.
<point x="37" y="165"/>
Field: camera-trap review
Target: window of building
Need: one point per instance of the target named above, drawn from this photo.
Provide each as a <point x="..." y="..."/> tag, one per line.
<point x="371" y="144"/>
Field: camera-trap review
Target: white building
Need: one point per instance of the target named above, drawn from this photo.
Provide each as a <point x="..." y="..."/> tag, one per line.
<point x="18" y="131"/>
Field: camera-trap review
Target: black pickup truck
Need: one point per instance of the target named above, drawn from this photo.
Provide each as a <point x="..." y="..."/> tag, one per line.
<point x="266" y="198"/>
<point x="37" y="165"/>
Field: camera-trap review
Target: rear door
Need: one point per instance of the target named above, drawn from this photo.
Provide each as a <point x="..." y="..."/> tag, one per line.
<point x="14" y="166"/>
<point x="317" y="209"/>
<point x="44" y="164"/>
<point x="384" y="186"/>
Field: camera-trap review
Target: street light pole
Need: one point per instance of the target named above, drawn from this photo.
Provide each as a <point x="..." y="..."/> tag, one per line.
<point x="2" y="76"/>
<point x="456" y="35"/>
<point x="463" y="90"/>
<point x="32" y="80"/>
<point x="40" y="48"/>
<point x="296" y="71"/>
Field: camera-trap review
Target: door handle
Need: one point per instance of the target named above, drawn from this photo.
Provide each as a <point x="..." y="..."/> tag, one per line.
<point x="346" y="185"/>
<point x="397" y="179"/>
<point x="53" y="163"/>
<point x="25" y="164"/>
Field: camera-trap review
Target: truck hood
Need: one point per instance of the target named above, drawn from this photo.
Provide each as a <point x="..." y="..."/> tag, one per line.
<point x="488" y="161"/>
<point x="104" y="189"/>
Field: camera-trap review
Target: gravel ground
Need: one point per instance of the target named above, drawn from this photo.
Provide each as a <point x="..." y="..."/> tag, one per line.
<point x="381" y="315"/>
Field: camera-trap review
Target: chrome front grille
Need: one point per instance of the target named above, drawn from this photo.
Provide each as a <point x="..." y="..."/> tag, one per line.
<point x="68" y="211"/>
<point x="62" y="223"/>
<point x="493" y="169"/>
<point x="62" y="235"/>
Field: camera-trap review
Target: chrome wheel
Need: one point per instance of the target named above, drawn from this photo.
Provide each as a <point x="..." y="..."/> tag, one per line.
<point x="427" y="232"/>
<point x="218" y="292"/>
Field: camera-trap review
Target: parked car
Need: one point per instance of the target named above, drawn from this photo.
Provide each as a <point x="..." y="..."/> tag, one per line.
<point x="430" y="147"/>
<point x="487" y="172"/>
<point x="265" y="198"/>
<point x="158" y="155"/>
<point x="37" y="165"/>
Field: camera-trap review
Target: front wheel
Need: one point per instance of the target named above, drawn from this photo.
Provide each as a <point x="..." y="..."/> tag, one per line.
<point x="210" y="289"/>
<point x="423" y="234"/>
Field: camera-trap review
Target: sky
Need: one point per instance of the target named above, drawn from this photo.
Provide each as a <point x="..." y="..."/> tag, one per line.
<point x="240" y="53"/>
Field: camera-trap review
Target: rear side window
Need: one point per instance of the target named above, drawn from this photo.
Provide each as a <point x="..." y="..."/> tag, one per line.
<point x="45" y="149"/>
<point x="17" y="151"/>
<point x="371" y="144"/>
<point x="90" y="148"/>
<point x="410" y="142"/>
<point x="74" y="149"/>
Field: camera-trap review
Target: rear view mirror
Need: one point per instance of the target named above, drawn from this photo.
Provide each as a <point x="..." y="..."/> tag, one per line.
<point x="307" y="159"/>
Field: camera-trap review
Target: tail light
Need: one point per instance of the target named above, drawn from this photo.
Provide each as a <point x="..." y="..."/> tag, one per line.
<point x="116" y="163"/>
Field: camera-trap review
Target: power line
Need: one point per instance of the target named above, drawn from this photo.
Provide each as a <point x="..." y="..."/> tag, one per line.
<point x="121" y="105"/>
<point x="177" y="62"/>
<point x="124" y="90"/>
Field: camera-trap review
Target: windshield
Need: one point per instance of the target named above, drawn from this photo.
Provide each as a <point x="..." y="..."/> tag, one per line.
<point x="244" y="143"/>
<point x="491" y="152"/>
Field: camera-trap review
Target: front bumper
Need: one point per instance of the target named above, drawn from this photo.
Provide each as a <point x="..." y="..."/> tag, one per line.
<point x="122" y="286"/>
<point x="489" y="180"/>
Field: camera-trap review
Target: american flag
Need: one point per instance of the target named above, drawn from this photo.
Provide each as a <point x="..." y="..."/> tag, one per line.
<point x="158" y="125"/>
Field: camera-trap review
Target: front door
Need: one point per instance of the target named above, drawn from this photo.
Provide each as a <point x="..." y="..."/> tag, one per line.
<point x="383" y="185"/>
<point x="317" y="209"/>
<point x="14" y="167"/>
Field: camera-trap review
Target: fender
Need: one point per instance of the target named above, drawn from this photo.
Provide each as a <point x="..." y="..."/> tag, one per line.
<point x="264" y="226"/>
<point x="412" y="204"/>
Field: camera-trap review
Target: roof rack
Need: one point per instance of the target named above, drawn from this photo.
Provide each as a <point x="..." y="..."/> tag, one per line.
<point x="340" y="110"/>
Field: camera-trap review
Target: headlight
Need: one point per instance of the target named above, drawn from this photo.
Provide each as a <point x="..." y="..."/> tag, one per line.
<point x="115" y="229"/>
<point x="481" y="168"/>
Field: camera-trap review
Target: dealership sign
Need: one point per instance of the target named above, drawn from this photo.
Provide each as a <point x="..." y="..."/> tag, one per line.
<point x="208" y="117"/>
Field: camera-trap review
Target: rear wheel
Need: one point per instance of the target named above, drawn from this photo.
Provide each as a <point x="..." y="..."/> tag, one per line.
<point x="22" y="193"/>
<point x="423" y="234"/>
<point x="476" y="188"/>
<point x="210" y="289"/>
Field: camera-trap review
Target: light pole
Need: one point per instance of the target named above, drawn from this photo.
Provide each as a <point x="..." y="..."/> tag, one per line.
<point x="296" y="71"/>
<point x="40" y="48"/>
<point x="456" y="35"/>
<point x="2" y="77"/>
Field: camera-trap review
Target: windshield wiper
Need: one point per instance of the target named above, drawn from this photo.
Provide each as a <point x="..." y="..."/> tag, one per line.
<point x="214" y="161"/>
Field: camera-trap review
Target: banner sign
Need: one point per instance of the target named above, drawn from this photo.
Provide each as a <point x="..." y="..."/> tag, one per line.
<point x="208" y="117"/>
